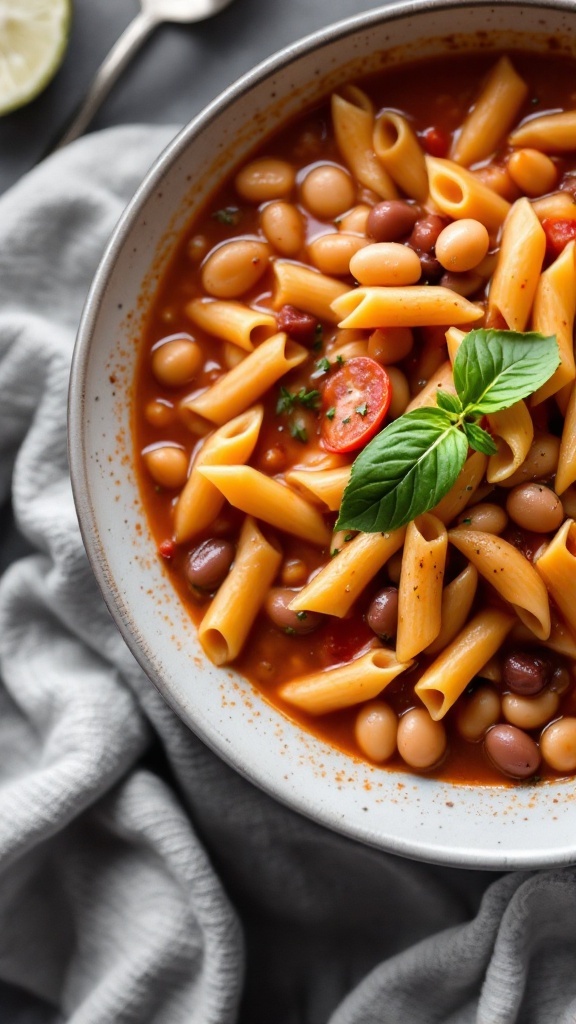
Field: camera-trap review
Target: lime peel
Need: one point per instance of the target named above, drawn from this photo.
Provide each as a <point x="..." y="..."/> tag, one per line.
<point x="34" y="37"/>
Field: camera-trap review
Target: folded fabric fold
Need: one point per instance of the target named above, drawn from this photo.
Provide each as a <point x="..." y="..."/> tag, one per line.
<point x="179" y="893"/>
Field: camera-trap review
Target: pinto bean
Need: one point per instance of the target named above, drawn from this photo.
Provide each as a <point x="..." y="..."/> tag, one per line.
<point x="382" y="615"/>
<point x="526" y="672"/>
<point x="512" y="751"/>
<point x="391" y="220"/>
<point x="535" y="507"/>
<point x="208" y="564"/>
<point x="276" y="607"/>
<point x="425" y="233"/>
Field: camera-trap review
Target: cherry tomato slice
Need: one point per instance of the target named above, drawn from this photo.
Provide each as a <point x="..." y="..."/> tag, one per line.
<point x="559" y="231"/>
<point x="355" y="400"/>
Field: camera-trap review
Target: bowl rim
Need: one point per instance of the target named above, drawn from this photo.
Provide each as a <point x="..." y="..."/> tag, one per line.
<point x="455" y="855"/>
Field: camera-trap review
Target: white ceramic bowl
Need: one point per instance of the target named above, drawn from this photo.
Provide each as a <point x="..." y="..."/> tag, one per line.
<point x="418" y="817"/>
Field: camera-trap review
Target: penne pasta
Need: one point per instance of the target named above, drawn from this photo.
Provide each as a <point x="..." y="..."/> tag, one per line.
<point x="517" y="273"/>
<point x="457" y="599"/>
<point x="461" y="494"/>
<point x="557" y="568"/>
<point x="553" y="313"/>
<point x="231" y="613"/>
<point x="441" y="380"/>
<point x="421" y="584"/>
<point x="345" y="685"/>
<point x="550" y="133"/>
<point x="246" y="383"/>
<point x="492" y="115"/>
<point x="325" y="485"/>
<point x="459" y="194"/>
<point x="513" y="432"/>
<point x="400" y="153"/>
<point x="448" y="676"/>
<point x="341" y="581"/>
<point x="557" y="204"/>
<point x="353" y="121"/>
<point x="306" y="289"/>
<point x="199" y="501"/>
<point x="566" y="468"/>
<point x="267" y="499"/>
<point x="409" y="306"/>
<point x="232" y="321"/>
<point x="510" y="574"/>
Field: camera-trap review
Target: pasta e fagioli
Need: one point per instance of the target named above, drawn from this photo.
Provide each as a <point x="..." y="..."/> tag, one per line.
<point x="323" y="293"/>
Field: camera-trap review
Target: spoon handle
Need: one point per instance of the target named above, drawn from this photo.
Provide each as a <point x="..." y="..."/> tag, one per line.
<point x="107" y="74"/>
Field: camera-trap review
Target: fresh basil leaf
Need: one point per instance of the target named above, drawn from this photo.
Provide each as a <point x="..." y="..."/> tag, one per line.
<point x="479" y="439"/>
<point x="405" y="470"/>
<point x="449" y="402"/>
<point x="495" y="369"/>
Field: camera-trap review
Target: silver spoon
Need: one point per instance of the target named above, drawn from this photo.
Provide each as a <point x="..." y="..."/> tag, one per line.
<point x="152" y="13"/>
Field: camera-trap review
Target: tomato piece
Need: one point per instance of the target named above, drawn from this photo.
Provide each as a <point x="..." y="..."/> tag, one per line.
<point x="355" y="401"/>
<point x="435" y="142"/>
<point x="559" y="231"/>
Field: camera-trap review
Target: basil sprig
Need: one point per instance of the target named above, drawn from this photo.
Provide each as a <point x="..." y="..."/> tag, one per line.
<point x="412" y="464"/>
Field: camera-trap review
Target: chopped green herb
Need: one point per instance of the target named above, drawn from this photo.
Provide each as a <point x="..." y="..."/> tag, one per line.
<point x="290" y="631"/>
<point x="322" y="366"/>
<point x="331" y="412"/>
<point x="288" y="400"/>
<point x="228" y="215"/>
<point x="362" y="409"/>
<point x="298" y="431"/>
<point x="346" y="420"/>
<point x="302" y="616"/>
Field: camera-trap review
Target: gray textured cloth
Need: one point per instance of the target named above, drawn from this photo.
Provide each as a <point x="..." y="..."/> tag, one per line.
<point x="142" y="880"/>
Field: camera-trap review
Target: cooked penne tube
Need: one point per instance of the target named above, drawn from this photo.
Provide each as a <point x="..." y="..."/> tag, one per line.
<point x="231" y="613"/>
<point x="246" y="383"/>
<point x="513" y="432"/>
<point x="561" y="638"/>
<point x="553" y="313"/>
<point x="199" y="501"/>
<point x="454" y="338"/>
<point x="232" y="321"/>
<point x="510" y="574"/>
<point x="518" y="268"/>
<point x="441" y="380"/>
<point x="550" y="133"/>
<point x="399" y="151"/>
<point x="457" y="600"/>
<point x="566" y="469"/>
<point x="269" y="500"/>
<point x="557" y="567"/>
<point x="305" y="288"/>
<point x="326" y="485"/>
<point x="420" y="587"/>
<point x="448" y="676"/>
<point x="346" y="685"/>
<point x="409" y="306"/>
<point x="492" y="115"/>
<point x="557" y="204"/>
<point x="353" y="120"/>
<point x="462" y="492"/>
<point x="458" y="193"/>
<point x="341" y="581"/>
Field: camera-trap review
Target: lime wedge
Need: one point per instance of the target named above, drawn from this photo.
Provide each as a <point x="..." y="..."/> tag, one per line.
<point x="33" y="40"/>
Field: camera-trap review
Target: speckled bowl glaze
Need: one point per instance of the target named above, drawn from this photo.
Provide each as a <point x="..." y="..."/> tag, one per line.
<point x="466" y="826"/>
